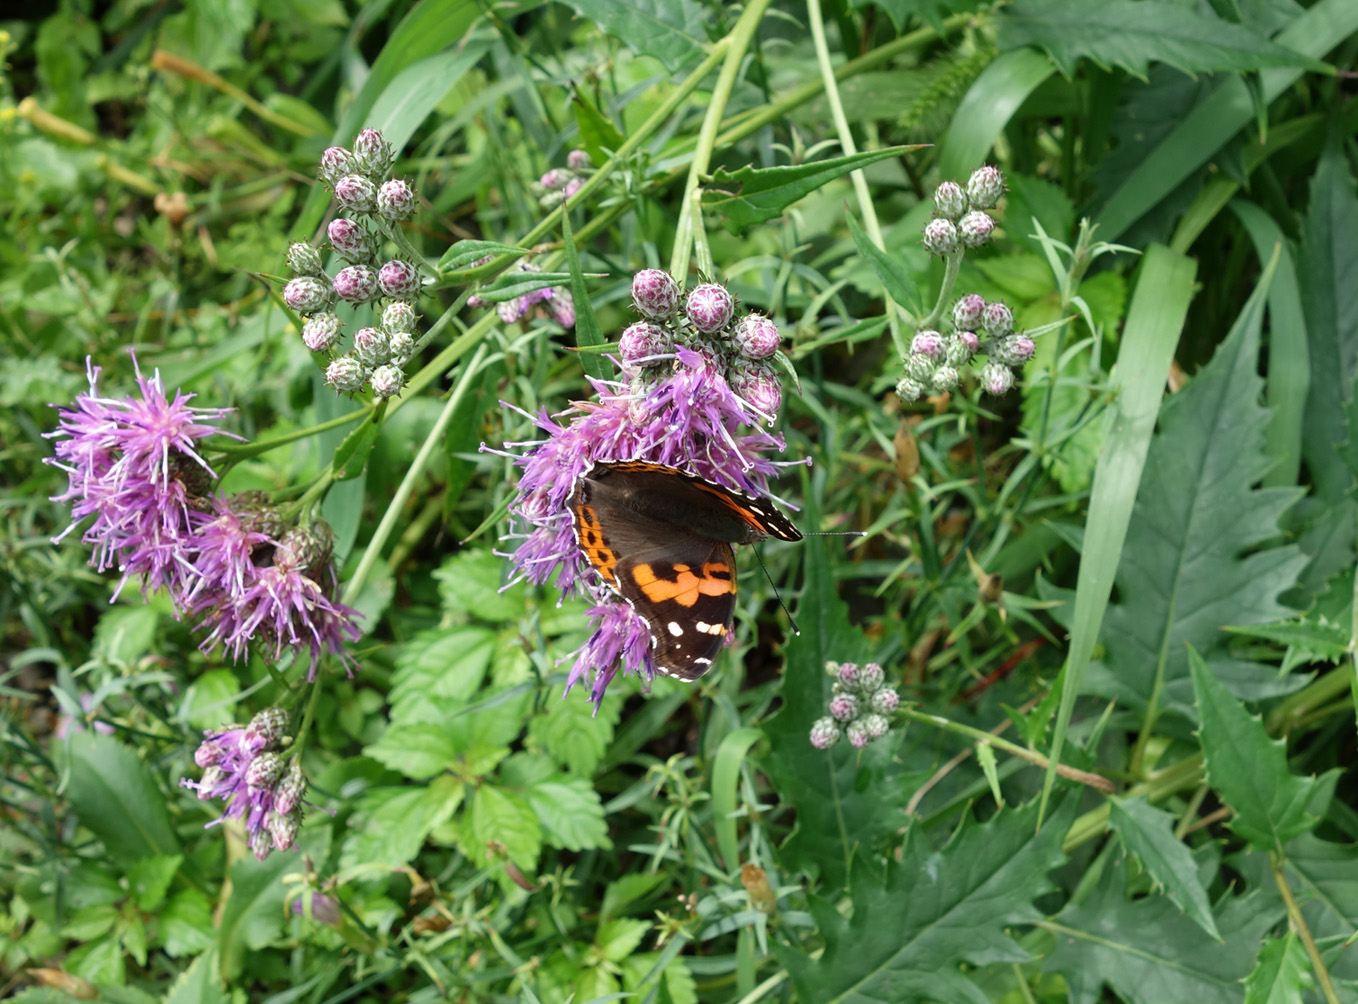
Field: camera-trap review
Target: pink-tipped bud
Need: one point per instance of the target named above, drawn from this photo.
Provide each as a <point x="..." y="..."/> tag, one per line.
<point x="710" y="307"/>
<point x="352" y="240"/>
<point x="940" y="237"/>
<point x="975" y="228"/>
<point x="290" y="790"/>
<point x="562" y="307"/>
<point x="336" y="162"/>
<point x="825" y="732"/>
<point x="966" y="312"/>
<point x="641" y="343"/>
<point x="264" y="770"/>
<point x="356" y="284"/>
<point x="870" y="677"/>
<point x="996" y="378"/>
<point x="267" y="728"/>
<point x="944" y="378"/>
<point x="304" y="259"/>
<point x="876" y="726"/>
<point x="997" y="320"/>
<point x="578" y="160"/>
<point x="858" y="734"/>
<point x="927" y="343"/>
<point x="399" y="316"/>
<point x="573" y="186"/>
<point x="885" y="700"/>
<point x="372" y="346"/>
<point x="984" y="187"/>
<point x="321" y="332"/>
<point x="655" y="294"/>
<point x="757" y="337"/>
<point x="387" y="381"/>
<point x="951" y="200"/>
<point x="306" y="294"/>
<point x="346" y="375"/>
<point x="909" y="389"/>
<point x="373" y="155"/>
<point x="555" y="179"/>
<point x="759" y="387"/>
<point x="283" y="830"/>
<point x="970" y="341"/>
<point x="399" y="280"/>
<point x="356" y="193"/>
<point x="208" y="754"/>
<point x="847" y="675"/>
<point x="396" y="200"/>
<point x="843" y="707"/>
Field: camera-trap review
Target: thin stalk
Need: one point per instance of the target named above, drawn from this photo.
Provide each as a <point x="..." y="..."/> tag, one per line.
<point x="407" y="486"/>
<point x="1299" y="925"/>
<point x="736" y="45"/>
<point x="244" y="451"/>
<point x="846" y="143"/>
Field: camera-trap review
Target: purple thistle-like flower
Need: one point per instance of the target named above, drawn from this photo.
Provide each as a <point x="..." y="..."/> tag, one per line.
<point x="134" y="466"/>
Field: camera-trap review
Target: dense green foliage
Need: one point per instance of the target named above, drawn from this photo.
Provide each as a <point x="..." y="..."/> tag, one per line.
<point x="1117" y="601"/>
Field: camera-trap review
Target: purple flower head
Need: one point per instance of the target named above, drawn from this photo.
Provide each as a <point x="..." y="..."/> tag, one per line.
<point x="572" y="186"/>
<point x="688" y="417"/>
<point x="134" y="465"/>
<point x="847" y="674"/>
<point x="709" y="307"/>
<point x="555" y="301"/>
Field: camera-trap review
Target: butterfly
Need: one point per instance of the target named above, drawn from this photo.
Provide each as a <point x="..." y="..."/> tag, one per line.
<point x="661" y="539"/>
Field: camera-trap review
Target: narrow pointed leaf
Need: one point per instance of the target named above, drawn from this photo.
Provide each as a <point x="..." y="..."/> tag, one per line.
<point x="896" y="279"/>
<point x="587" y="333"/>
<point x="1148" y="833"/>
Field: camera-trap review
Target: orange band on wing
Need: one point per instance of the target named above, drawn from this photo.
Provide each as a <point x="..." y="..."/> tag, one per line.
<point x="685" y="588"/>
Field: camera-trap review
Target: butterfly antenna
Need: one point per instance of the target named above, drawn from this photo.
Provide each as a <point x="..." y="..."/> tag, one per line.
<point x="792" y="622"/>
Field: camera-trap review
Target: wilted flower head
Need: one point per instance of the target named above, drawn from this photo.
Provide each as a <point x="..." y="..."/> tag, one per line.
<point x="134" y="465"/>
<point x="242" y="766"/>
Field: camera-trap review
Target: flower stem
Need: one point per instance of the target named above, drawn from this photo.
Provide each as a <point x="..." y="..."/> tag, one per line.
<point x="1299" y="925"/>
<point x="244" y="451"/>
<point x="735" y="44"/>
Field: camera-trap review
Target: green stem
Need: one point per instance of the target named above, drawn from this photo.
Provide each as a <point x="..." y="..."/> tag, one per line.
<point x="406" y="488"/>
<point x="952" y="266"/>
<point x="736" y="45"/>
<point x="1298" y="923"/>
<point x="846" y="144"/>
<point x="304" y="732"/>
<point x="244" y="451"/>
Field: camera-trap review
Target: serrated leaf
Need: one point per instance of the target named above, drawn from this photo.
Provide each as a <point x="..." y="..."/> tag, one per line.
<point x="1148" y="952"/>
<point x="1325" y="875"/>
<point x="149" y="879"/>
<point x="572" y="734"/>
<point x="1248" y="769"/>
<point x="587" y="333"/>
<point x="571" y="814"/>
<point x="253" y="915"/>
<point x="115" y="797"/>
<point x="757" y="194"/>
<point x="437" y="670"/>
<point x="186" y="924"/>
<point x="929" y="12"/>
<point x="1281" y="972"/>
<point x="933" y="911"/>
<point x="673" y="31"/>
<point x="1133" y="33"/>
<point x="1148" y="833"/>
<point x="895" y="277"/>
<point x="198" y="984"/>
<point x="1317" y="642"/>
<point x="1201" y="549"/>
<point x="471" y="582"/>
<point x="985" y="757"/>
<point x="506" y="818"/>
<point x="464" y="254"/>
<point x="389" y="825"/>
<point x="617" y="939"/>
<point x="418" y="751"/>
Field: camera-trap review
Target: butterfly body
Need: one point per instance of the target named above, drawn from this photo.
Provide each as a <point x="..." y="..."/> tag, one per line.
<point x="661" y="539"/>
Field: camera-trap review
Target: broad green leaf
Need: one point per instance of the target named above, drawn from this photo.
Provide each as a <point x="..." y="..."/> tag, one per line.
<point x="253" y="916"/>
<point x="439" y="669"/>
<point x="472" y="581"/>
<point x="389" y="825"/>
<point x="466" y="253"/>
<point x="149" y="879"/>
<point x="210" y="700"/>
<point x="572" y="734"/>
<point x="896" y="279"/>
<point x="352" y="454"/>
<point x="506" y="818"/>
<point x="986" y="109"/>
<point x="625" y="890"/>
<point x="1202" y="547"/>
<point x="587" y="333"/>
<point x="186" y="926"/>
<point x="1149" y="834"/>
<point x="933" y="910"/>
<point x="753" y="195"/>
<point x="1324" y="876"/>
<point x="618" y="938"/>
<point x="599" y="136"/>
<point x="125" y="634"/>
<point x="930" y="12"/>
<point x="672" y="31"/>
<point x="116" y="798"/>
<point x="1148" y="952"/>
<point x="1132" y="33"/>
<point x="199" y="983"/>
<point x="726" y="764"/>
<point x="416" y="750"/>
<point x="570" y="813"/>
<point x="418" y="88"/>
<point x="99" y="961"/>
<point x="1247" y="768"/>
<point x="1280" y="974"/>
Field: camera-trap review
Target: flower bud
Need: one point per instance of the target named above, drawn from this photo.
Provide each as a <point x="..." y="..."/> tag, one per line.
<point x="399" y="280"/>
<point x="396" y="200"/>
<point x="843" y="707"/>
<point x="884" y="701"/>
<point x="562" y="307"/>
<point x="655" y="294"/>
<point x="950" y="200"/>
<point x="306" y="548"/>
<point x="920" y="368"/>
<point x="372" y="346"/>
<point x="858" y="734"/>
<point x="966" y="312"/>
<point x="945" y="378"/>
<point x="512" y="310"/>
<point x="870" y="677"/>
<point x="208" y="754"/>
<point x="940" y="237"/>
<point x="640" y="342"/>
<point x="997" y="320"/>
<point x="759" y="386"/>
<point x="356" y="193"/>
<point x="306" y="294"/>
<point x="283" y="829"/>
<point x="352" y="240"/>
<point x="1020" y="349"/>
<point x="259" y="844"/>
<point x="984" y="187"/>
<point x="212" y="777"/>
<point x="555" y="179"/>
<point x="996" y="378"/>
<point x="304" y="259"/>
<point x="373" y="155"/>
<point x="975" y="228"/>
<point x="709" y="307"/>
<point x="876" y="725"/>
<point x="402" y="345"/>
<point x="399" y="316"/>
<point x="756" y="337"/>
<point x="290" y="789"/>
<point x="847" y="675"/>
<point x="969" y="342"/>
<point x="268" y="727"/>
<point x="355" y="283"/>
<point x="927" y="343"/>
<point x="825" y="732"/>
<point x="578" y="160"/>
<point x="324" y="909"/>
<point x="909" y="390"/>
<point x="572" y="186"/>
<point x="336" y="162"/>
<point x="321" y="332"/>
<point x="387" y="381"/>
<point x="264" y="770"/>
<point x="346" y="374"/>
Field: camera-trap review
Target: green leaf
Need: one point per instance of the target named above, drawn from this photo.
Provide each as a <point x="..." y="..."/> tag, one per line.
<point x="985" y="757"/>
<point x="352" y="454"/>
<point x="599" y="136"/>
<point x="1247" y="768"/>
<point x="512" y="284"/>
<point x="418" y="751"/>
<point x="471" y="582"/>
<point x="572" y="734"/>
<point x="1202" y="547"/>
<point x="418" y="88"/>
<point x="1325" y="875"/>
<point x="149" y="879"/>
<point x="1149" y="834"/>
<point x="587" y="333"/>
<point x="617" y="939"/>
<point x="1148" y="952"/>
<point x="125" y="634"/>
<point x="1132" y="33"/>
<point x="571" y="814"/>
<point x="1314" y="641"/>
<point x="437" y="670"/>
<point x="1281" y="972"/>
<point x="210" y="700"/>
<point x="389" y="825"/>
<point x="933" y="911"/>
<point x="990" y="102"/>
<point x="463" y="254"/>
<point x="116" y="799"/>
<point x="896" y="278"/>
<point x="506" y="818"/>
<point x="253" y="915"/>
<point x="753" y="195"/>
<point x="198" y="984"/>
<point x="929" y="12"/>
<point x="99" y="961"/>
<point x="624" y="891"/>
<point x="672" y="31"/>
<point x="186" y="924"/>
